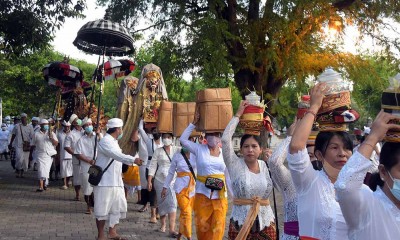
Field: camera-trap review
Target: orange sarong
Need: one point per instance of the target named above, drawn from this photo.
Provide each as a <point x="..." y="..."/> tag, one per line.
<point x="185" y="204"/>
<point x="131" y="177"/>
<point x="210" y="217"/>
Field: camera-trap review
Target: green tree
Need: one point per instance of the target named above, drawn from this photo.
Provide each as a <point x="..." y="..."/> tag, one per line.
<point x="27" y="25"/>
<point x="263" y="43"/>
<point x="22" y="86"/>
<point x="369" y="74"/>
<point x="369" y="84"/>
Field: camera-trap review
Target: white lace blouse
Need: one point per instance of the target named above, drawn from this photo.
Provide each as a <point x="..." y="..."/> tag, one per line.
<point x="318" y="212"/>
<point x="246" y="184"/>
<point x="370" y="215"/>
<point x="283" y="181"/>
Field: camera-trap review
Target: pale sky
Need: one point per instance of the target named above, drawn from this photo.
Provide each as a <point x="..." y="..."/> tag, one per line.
<point x="67" y="33"/>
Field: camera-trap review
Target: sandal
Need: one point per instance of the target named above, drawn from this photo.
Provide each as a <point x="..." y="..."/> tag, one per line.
<point x="88" y="212"/>
<point x="153" y="221"/>
<point x="162" y="229"/>
<point x="173" y="235"/>
<point x="144" y="209"/>
<point x="39" y="190"/>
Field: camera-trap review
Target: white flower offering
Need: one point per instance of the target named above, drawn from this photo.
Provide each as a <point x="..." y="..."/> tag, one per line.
<point x="334" y="81"/>
<point x="254" y="99"/>
<point x="395" y="82"/>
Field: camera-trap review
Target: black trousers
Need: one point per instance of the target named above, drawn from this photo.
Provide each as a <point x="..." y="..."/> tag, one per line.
<point x="149" y="196"/>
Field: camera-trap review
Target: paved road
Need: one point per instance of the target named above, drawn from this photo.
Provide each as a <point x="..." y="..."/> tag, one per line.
<point x="52" y="215"/>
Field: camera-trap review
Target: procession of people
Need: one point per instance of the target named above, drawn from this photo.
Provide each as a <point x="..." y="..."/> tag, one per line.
<point x="331" y="189"/>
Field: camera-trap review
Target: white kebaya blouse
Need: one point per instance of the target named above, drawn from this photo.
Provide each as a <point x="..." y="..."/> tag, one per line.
<point x="369" y="215"/>
<point x="318" y="211"/>
<point x="244" y="183"/>
<point x="283" y="181"/>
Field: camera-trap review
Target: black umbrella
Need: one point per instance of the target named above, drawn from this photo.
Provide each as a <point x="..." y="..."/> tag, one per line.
<point x="104" y="37"/>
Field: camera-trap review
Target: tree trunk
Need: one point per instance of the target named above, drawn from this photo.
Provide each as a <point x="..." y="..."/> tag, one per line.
<point x="263" y="83"/>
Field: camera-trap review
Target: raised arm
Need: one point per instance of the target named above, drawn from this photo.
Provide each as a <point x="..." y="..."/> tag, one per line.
<point x="303" y="129"/>
<point x="228" y="153"/>
<point x="300" y="166"/>
<point x="279" y="172"/>
<point x="143" y="134"/>
<point x="354" y="201"/>
<point x="184" y="139"/>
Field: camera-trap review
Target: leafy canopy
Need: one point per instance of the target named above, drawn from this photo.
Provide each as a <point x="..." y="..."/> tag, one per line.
<point x="27" y="25"/>
<point x="261" y="44"/>
<point x="22" y="86"/>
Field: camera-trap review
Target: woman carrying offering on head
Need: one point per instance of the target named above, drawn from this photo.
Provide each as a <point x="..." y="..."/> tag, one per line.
<point x="318" y="212"/>
<point x="372" y="214"/>
<point x="283" y="181"/>
<point x="252" y="216"/>
<point x="210" y="203"/>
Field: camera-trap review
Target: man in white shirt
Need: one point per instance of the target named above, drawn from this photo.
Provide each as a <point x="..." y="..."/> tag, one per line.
<point x="65" y="157"/>
<point x="10" y="126"/>
<point x="84" y="151"/>
<point x="36" y="128"/>
<point x="44" y="142"/>
<point x="69" y="146"/>
<point x="4" y="136"/>
<point x="22" y="134"/>
<point x="35" y="124"/>
<point x="109" y="197"/>
<point x="55" y="166"/>
<point x="11" y="147"/>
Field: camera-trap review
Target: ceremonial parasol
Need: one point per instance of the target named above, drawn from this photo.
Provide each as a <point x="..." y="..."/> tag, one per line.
<point x="107" y="38"/>
<point x="116" y="68"/>
<point x="62" y="74"/>
<point x="103" y="37"/>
